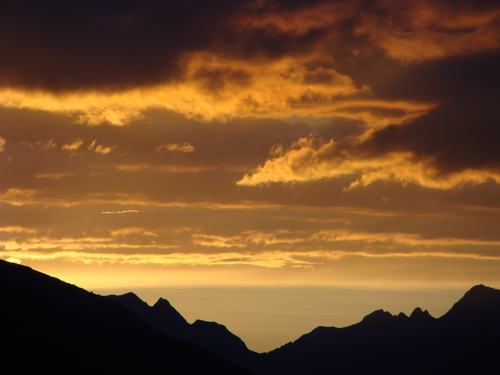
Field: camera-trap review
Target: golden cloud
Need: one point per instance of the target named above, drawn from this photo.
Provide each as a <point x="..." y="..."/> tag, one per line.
<point x="213" y="89"/>
<point x="266" y="259"/>
<point x="55" y="176"/>
<point x="48" y="144"/>
<point x="100" y="148"/>
<point x="180" y="147"/>
<point x="314" y="158"/>
<point x="73" y="145"/>
<point x="17" y="230"/>
<point x="119" y="212"/>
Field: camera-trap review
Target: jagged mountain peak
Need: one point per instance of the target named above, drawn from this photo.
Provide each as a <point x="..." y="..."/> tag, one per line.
<point x="167" y="314"/>
<point x="131" y="301"/>
<point x="482" y="292"/>
<point x="129" y="297"/>
<point x="162" y="315"/>
<point x="402" y="315"/>
<point x="479" y="299"/>
<point x="162" y="303"/>
<point x="378" y="316"/>
<point x="420" y="314"/>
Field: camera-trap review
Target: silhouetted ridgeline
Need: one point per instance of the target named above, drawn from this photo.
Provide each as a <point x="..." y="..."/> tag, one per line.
<point x="53" y="326"/>
<point x="210" y="335"/>
<point x="466" y="340"/>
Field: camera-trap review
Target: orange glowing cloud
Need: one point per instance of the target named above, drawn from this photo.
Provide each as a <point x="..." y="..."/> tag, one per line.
<point x="180" y="147"/>
<point x="314" y="158"/>
<point x="213" y="87"/>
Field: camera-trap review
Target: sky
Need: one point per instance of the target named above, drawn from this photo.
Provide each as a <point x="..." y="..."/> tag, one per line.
<point x="265" y="154"/>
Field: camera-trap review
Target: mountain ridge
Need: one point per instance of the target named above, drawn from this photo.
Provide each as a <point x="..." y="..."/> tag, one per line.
<point x="42" y="315"/>
<point x="417" y="338"/>
<point x="212" y="336"/>
<point x="49" y="326"/>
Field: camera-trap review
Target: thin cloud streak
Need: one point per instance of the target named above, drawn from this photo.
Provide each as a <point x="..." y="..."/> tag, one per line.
<point x="307" y="260"/>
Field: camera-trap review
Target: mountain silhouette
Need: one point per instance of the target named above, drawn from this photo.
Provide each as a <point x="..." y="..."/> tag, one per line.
<point x="210" y="335"/>
<point x="52" y="327"/>
<point x="479" y="300"/>
<point x="161" y="316"/>
<point x="463" y="341"/>
<point x="466" y="340"/>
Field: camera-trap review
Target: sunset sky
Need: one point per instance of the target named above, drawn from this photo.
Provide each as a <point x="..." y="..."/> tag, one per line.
<point x="264" y="153"/>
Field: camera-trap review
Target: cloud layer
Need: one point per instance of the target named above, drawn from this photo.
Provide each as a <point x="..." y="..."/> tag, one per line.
<point x="283" y="135"/>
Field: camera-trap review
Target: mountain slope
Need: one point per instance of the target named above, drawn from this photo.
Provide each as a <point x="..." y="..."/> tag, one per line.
<point x="210" y="335"/>
<point x="162" y="316"/>
<point x="49" y="326"/>
<point x="463" y="341"/>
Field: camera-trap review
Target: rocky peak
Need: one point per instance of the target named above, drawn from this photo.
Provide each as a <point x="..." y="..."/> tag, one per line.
<point x="378" y="316"/>
<point x="418" y="313"/>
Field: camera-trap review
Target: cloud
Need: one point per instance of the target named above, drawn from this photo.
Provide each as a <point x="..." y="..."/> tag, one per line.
<point x="314" y="158"/>
<point x="208" y="92"/>
<point x="180" y="147"/>
<point x="100" y="148"/>
<point x="418" y="31"/>
<point x="55" y="176"/>
<point x="265" y="259"/>
<point x="229" y="59"/>
<point x="48" y="144"/>
<point x="112" y="45"/>
<point x="370" y="127"/>
<point x="73" y="145"/>
<point x="119" y="212"/>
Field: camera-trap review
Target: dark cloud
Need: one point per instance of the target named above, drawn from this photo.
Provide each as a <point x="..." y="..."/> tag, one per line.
<point x="462" y="132"/>
<point x="474" y="75"/>
<point x="110" y="44"/>
<point x="61" y="45"/>
<point x="107" y="44"/>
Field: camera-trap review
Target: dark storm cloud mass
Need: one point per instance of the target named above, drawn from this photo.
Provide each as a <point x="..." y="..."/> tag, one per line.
<point x="61" y="45"/>
<point x="462" y="132"/>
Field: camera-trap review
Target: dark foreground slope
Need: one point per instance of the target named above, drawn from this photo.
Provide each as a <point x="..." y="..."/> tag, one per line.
<point x="51" y="327"/>
<point x="466" y="340"/>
